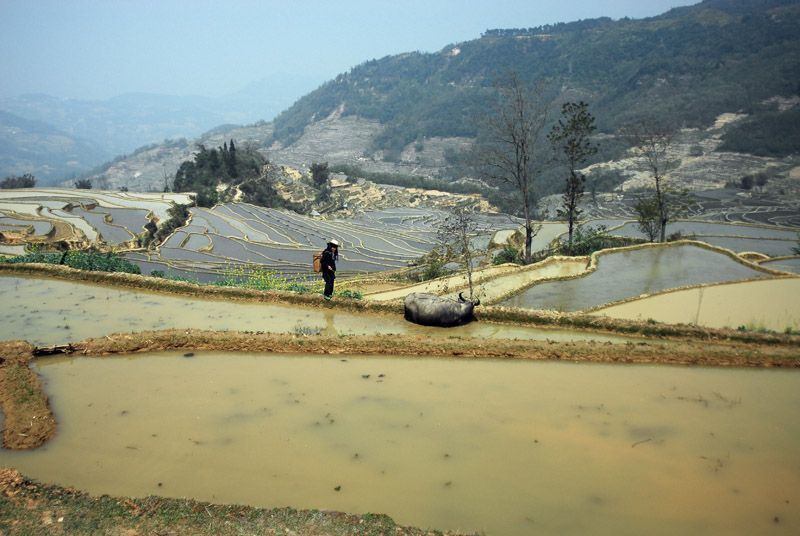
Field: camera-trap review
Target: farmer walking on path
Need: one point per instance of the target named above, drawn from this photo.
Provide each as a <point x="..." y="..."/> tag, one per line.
<point x="329" y="258"/>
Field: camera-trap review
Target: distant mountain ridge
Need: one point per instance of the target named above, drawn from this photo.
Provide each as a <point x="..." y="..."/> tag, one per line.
<point x="124" y="123"/>
<point x="414" y="112"/>
<point x="690" y="64"/>
<point x="29" y="146"/>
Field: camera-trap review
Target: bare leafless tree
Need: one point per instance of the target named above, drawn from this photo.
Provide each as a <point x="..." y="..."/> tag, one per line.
<point x="511" y="148"/>
<point x="455" y="233"/>
<point x="652" y="142"/>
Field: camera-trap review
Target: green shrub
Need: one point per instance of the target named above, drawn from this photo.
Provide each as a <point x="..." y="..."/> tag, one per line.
<point x="88" y="261"/>
<point x="347" y="293"/>
<point x="586" y="240"/>
<point x="508" y="254"/>
<point x="434" y="269"/>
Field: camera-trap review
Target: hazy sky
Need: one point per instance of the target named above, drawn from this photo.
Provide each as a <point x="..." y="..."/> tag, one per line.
<point x="96" y="49"/>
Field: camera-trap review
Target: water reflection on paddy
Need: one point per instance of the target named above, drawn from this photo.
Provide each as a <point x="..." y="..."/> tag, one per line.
<point x="505" y="447"/>
<point x="773" y="248"/>
<point x="699" y="228"/>
<point x="47" y="311"/>
<point x="626" y="274"/>
<point x="787" y="265"/>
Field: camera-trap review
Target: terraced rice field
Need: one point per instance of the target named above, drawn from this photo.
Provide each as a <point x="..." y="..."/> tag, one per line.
<point x="218" y="240"/>
<point x="787" y="265"/>
<point x="15" y="225"/>
<point x="634" y="272"/>
<point x="113" y="218"/>
<point x="283" y="242"/>
<point x="764" y="304"/>
<point x="740" y="238"/>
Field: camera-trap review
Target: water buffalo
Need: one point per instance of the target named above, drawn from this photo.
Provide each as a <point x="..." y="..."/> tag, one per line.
<point x="433" y="310"/>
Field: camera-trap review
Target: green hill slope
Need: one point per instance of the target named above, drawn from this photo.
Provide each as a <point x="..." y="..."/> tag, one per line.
<point x="690" y="65"/>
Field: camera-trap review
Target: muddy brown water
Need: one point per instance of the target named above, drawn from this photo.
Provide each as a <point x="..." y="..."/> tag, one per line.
<point x="48" y="311"/>
<point x="503" y="447"/>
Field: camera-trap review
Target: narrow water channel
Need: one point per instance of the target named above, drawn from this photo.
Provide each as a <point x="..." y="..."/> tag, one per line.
<point x="501" y="447"/>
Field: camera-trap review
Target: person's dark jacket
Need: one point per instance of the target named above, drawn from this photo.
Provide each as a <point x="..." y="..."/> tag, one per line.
<point x="328" y="260"/>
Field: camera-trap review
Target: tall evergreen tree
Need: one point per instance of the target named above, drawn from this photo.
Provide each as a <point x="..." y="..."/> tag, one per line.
<point x="570" y="139"/>
<point x="321" y="177"/>
<point x="231" y="163"/>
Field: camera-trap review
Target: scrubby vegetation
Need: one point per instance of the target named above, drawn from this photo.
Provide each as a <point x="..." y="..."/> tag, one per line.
<point x="259" y="278"/>
<point x="178" y="216"/>
<point x="218" y="175"/>
<point x="23" y="181"/>
<point x="81" y="260"/>
<point x="588" y="239"/>
<point x="771" y="133"/>
<point x="508" y="254"/>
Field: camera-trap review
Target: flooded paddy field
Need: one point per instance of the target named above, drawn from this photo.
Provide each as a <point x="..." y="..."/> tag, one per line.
<point x="502" y="447"/>
<point x="283" y="242"/>
<point x="770" y="247"/>
<point x="787" y="265"/>
<point x="769" y="304"/>
<point x="737" y="237"/>
<point x="701" y="228"/>
<point x="499" y="447"/>
<point x="625" y="274"/>
<point x="48" y="311"/>
<point x="29" y="199"/>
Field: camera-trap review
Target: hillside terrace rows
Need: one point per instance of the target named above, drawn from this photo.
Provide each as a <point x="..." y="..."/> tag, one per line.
<point x="385" y="241"/>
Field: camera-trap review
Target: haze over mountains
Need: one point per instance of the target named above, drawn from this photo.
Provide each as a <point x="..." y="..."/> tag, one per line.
<point x="414" y="112"/>
<point x="55" y="138"/>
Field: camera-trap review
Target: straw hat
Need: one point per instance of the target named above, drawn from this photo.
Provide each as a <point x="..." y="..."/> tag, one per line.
<point x="334" y="242"/>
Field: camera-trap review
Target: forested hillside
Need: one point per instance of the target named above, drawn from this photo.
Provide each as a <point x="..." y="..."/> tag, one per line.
<point x="689" y="65"/>
<point x="728" y="70"/>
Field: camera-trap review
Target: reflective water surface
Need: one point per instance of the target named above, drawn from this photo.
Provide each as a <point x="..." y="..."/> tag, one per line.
<point x="48" y="311"/>
<point x="626" y="274"/>
<point x="504" y="447"/>
<point x="787" y="265"/>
